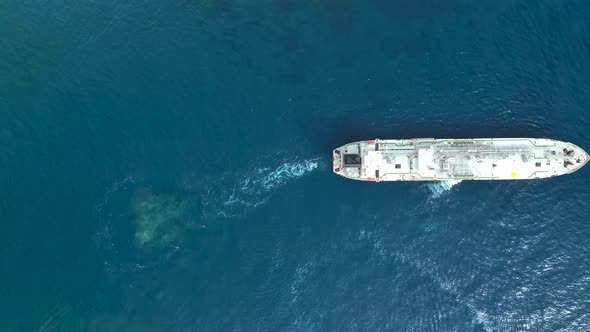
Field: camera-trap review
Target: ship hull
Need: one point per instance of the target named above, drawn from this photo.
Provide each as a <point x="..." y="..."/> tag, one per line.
<point x="429" y="159"/>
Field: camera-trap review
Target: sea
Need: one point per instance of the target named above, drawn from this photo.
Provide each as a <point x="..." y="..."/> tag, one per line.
<point x="166" y="166"/>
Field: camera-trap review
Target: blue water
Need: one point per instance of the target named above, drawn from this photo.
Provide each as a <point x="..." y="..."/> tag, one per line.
<point x="165" y="166"/>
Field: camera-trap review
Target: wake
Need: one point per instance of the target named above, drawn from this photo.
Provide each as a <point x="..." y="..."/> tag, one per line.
<point x="440" y="187"/>
<point x="253" y="190"/>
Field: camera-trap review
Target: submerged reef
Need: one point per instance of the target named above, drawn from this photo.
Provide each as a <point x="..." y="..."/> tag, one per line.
<point x="161" y="220"/>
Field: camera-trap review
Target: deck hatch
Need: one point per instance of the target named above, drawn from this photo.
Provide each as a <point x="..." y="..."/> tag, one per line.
<point x="352" y="159"/>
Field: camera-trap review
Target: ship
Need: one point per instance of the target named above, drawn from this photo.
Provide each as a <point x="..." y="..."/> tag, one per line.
<point x="430" y="159"/>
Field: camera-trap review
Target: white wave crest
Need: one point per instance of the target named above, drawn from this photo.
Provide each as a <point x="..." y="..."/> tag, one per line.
<point x="285" y="172"/>
<point x="254" y="189"/>
<point x="439" y="187"/>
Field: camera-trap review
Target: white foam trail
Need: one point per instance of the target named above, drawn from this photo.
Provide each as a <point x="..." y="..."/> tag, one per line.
<point x="285" y="172"/>
<point x="253" y="190"/>
<point x="439" y="187"/>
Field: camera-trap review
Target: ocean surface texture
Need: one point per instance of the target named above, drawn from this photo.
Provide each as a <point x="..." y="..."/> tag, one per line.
<point x="165" y="166"/>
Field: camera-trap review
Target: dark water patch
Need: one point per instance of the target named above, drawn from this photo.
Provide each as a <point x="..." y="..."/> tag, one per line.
<point x="331" y="131"/>
<point x="422" y="9"/>
<point x="221" y="107"/>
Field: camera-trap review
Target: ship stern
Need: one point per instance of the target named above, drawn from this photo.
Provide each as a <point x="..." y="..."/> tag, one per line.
<point x="337" y="161"/>
<point x="347" y="161"/>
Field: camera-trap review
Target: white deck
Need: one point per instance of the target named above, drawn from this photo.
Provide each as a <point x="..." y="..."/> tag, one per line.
<point x="458" y="159"/>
